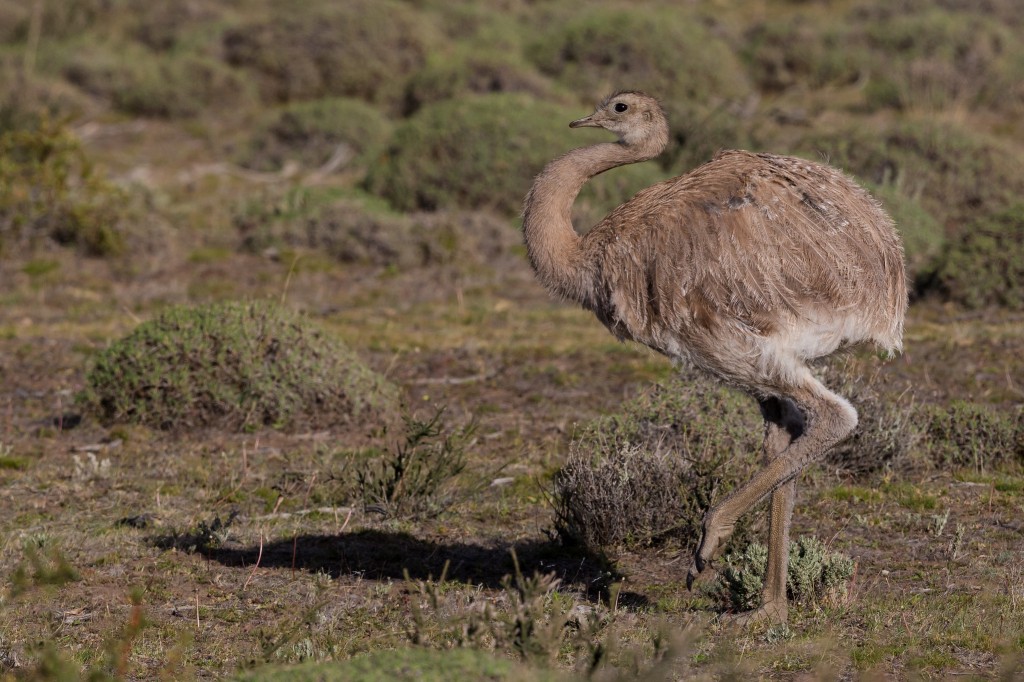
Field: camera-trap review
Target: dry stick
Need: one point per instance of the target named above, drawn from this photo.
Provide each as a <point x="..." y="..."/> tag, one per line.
<point x="198" y="626"/>
<point x="288" y="278"/>
<point x="258" y="558"/>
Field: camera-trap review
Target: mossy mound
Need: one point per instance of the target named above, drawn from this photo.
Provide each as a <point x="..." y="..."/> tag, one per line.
<point x="309" y="133"/>
<point x="236" y="366"/>
<point x="357" y="48"/>
<point x="482" y="152"/>
<point x="421" y="665"/>
<point x="984" y="266"/>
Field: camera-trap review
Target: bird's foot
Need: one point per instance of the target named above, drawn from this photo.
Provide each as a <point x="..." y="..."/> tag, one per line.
<point x="712" y="541"/>
<point x="772" y="613"/>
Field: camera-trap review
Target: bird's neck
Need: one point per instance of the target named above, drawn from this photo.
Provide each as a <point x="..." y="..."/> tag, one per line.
<point x="552" y="244"/>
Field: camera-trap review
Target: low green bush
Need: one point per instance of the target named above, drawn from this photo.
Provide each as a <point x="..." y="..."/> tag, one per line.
<point x="309" y="133"/>
<point x="801" y="52"/>
<point x="648" y="474"/>
<point x="932" y="58"/>
<point x="984" y="265"/>
<point x="679" y="59"/>
<point x="350" y="231"/>
<point x="234" y="365"/>
<point x="50" y="192"/>
<point x="974" y="435"/>
<point x="482" y="152"/>
<point x="139" y="82"/>
<point x="358" y="48"/>
<point x="413" y="478"/>
<point x="814" y="574"/>
<point x="475" y="70"/>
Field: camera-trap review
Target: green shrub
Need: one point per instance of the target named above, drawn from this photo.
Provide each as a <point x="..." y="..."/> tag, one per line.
<point x="932" y="58"/>
<point x="350" y="231"/>
<point x="50" y="191"/>
<point x="974" y="435"/>
<point x="797" y="52"/>
<point x="141" y="83"/>
<point x="413" y="478"/>
<point x="648" y="474"/>
<point x="357" y="48"/>
<point x="476" y="70"/>
<point x="984" y="266"/>
<point x="234" y="365"/>
<point x="678" y="59"/>
<point x="484" y="151"/>
<point x="814" y="574"/>
<point x="309" y="132"/>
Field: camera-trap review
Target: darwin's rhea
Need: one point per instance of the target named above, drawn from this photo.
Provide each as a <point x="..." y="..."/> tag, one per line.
<point x="748" y="267"/>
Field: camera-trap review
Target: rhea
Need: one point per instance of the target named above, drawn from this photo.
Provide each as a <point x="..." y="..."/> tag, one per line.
<point x="749" y="267"/>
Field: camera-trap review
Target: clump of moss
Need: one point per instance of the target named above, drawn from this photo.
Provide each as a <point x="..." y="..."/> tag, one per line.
<point x="234" y="365"/>
<point x="309" y="133"/>
<point x="814" y="574"/>
<point x="984" y="266"/>
<point x="482" y="152"/>
<point x="974" y="435"/>
<point x="648" y="474"/>
<point x="358" y="48"/>
<point x="49" y="190"/>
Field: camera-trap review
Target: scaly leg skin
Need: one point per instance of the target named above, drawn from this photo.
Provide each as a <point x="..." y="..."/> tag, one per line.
<point x="832" y="419"/>
<point x="784" y="423"/>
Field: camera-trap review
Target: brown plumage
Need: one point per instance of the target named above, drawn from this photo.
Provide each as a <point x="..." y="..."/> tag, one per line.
<point x="747" y="267"/>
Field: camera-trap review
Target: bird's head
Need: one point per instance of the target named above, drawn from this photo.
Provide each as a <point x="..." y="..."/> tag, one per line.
<point x="636" y="118"/>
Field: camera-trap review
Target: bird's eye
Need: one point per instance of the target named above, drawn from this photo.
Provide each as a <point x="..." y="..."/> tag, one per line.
<point x="620" y="107"/>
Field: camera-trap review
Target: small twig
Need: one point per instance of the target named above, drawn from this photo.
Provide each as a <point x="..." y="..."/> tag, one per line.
<point x="258" y="558"/>
<point x="198" y="626"/>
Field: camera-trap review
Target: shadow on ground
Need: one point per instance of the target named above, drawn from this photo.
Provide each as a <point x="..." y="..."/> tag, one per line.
<point x="384" y="555"/>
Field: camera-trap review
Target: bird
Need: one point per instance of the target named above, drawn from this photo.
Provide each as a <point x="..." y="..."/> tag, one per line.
<point x="748" y="267"/>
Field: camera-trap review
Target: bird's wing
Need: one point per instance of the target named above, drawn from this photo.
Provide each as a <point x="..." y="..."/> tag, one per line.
<point x="737" y="241"/>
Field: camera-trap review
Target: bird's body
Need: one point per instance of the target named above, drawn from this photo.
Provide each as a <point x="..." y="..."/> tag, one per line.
<point x="747" y="267"/>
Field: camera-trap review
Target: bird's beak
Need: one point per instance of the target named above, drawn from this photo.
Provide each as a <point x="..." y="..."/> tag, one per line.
<point x="586" y="122"/>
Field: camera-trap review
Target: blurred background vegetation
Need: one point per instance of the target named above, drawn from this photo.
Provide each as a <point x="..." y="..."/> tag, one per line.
<point x="423" y="106"/>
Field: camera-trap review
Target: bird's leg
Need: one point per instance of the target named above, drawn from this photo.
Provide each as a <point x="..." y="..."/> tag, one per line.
<point x="784" y="423"/>
<point x="830" y="420"/>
